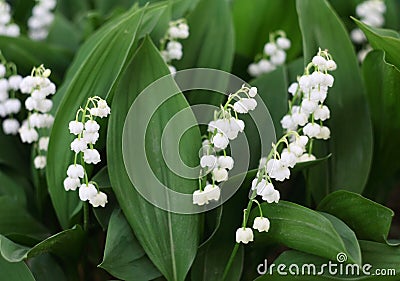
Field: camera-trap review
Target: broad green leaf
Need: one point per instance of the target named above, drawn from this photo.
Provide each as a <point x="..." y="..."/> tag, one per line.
<point x="45" y="268"/>
<point x="346" y="101"/>
<point x="369" y="220"/>
<point x="211" y="260"/>
<point x="64" y="33"/>
<point x="66" y="245"/>
<point x="348" y="236"/>
<point x="15" y="220"/>
<point x="381" y="256"/>
<point x="12" y="189"/>
<point x="210" y="45"/>
<point x="301" y="229"/>
<point x="170" y="240"/>
<point x="94" y="71"/>
<point x="255" y="20"/>
<point x="383" y="83"/>
<point x="124" y="258"/>
<point x="14" y="271"/>
<point x="386" y="43"/>
<point x="272" y="88"/>
<point x="26" y="54"/>
<point x="16" y="155"/>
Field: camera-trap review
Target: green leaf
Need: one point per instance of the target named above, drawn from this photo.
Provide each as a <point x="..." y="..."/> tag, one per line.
<point x="272" y="88"/>
<point x="66" y="244"/>
<point x="383" y="42"/>
<point x="45" y="268"/>
<point x="369" y="220"/>
<point x="14" y="271"/>
<point x="346" y="100"/>
<point x="383" y="82"/>
<point x="12" y="189"/>
<point x="16" y="155"/>
<point x="211" y="260"/>
<point x="124" y="258"/>
<point x="381" y="256"/>
<point x="169" y="239"/>
<point x="210" y="45"/>
<point x="301" y="229"/>
<point x="94" y="71"/>
<point x="256" y="20"/>
<point x="15" y="220"/>
<point x="63" y="33"/>
<point x="27" y="54"/>
<point x="348" y="236"/>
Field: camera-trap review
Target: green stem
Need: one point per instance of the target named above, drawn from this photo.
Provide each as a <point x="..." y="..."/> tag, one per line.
<point x="85" y="216"/>
<point x="235" y="249"/>
<point x="230" y="261"/>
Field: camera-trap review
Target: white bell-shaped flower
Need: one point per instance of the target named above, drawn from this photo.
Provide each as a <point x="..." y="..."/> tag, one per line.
<point x="244" y="235"/>
<point x="261" y="224"/>
<point x="75" y="171"/>
<point x="100" y="199"/>
<point x="71" y="183"/>
<point x="87" y="191"/>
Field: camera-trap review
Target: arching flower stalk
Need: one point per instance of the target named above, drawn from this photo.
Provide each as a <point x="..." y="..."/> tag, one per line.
<point x="86" y="130"/>
<point x="10" y="105"/>
<point x="224" y="128"/>
<point x="36" y="128"/>
<point x="303" y="124"/>
<point x="170" y="47"/>
<point x="274" y="54"/>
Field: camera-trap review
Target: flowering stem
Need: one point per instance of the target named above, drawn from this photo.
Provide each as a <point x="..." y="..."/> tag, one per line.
<point x="230" y="261"/>
<point x="85" y="216"/>
<point x="235" y="249"/>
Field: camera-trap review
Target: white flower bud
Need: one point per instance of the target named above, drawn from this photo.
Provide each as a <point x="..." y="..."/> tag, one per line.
<point x="254" y="70"/>
<point x="319" y="61"/>
<point x="288" y="159"/>
<point x="331" y="65"/>
<point x="283" y="43"/>
<point x="309" y="106"/>
<point x="2" y="70"/>
<point x="265" y="66"/>
<point x="253" y="92"/>
<point x="278" y="58"/>
<point x="14" y="82"/>
<point x="270" y="49"/>
<point x="293" y="88"/>
<point x="28" y="135"/>
<point x="90" y="137"/>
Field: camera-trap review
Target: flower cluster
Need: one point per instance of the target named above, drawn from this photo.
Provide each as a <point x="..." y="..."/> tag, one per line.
<point x="9" y="103"/>
<point x="41" y="19"/>
<point x="370" y="12"/>
<point x="303" y="124"/>
<point x="86" y="130"/>
<point x="35" y="129"/>
<point x="7" y="27"/>
<point x="223" y="129"/>
<point x="170" y="48"/>
<point x="274" y="54"/>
